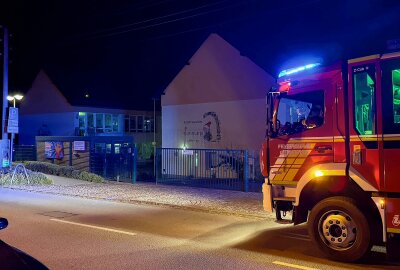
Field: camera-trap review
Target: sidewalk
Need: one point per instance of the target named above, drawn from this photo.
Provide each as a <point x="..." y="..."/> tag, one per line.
<point x="199" y="199"/>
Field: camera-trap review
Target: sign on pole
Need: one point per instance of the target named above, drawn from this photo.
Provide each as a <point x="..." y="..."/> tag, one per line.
<point x="12" y="123"/>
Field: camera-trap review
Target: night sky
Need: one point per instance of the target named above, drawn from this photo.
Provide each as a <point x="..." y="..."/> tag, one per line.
<point x="124" y="53"/>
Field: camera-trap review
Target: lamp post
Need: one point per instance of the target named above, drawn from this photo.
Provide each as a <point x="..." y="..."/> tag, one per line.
<point x="5" y="84"/>
<point x="13" y="99"/>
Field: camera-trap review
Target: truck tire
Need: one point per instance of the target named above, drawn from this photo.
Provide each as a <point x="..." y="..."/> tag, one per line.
<point x="340" y="229"/>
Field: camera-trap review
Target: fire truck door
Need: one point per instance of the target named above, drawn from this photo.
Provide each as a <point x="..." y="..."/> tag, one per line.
<point x="364" y="146"/>
<point x="391" y="123"/>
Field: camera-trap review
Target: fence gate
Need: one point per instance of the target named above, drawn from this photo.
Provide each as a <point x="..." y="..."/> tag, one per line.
<point x="114" y="160"/>
<point x="211" y="168"/>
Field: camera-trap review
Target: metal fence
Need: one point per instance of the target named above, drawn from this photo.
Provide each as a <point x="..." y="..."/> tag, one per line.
<point x="145" y="170"/>
<point x="114" y="161"/>
<point x="113" y="157"/>
<point x="211" y="168"/>
<point x="24" y="152"/>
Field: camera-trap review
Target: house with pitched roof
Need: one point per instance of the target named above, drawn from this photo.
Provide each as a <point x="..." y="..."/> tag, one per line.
<point x="45" y="111"/>
<point x="216" y="101"/>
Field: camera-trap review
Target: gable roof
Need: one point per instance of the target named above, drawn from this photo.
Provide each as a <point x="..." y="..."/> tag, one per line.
<point x="217" y="72"/>
<point x="104" y="85"/>
<point x="44" y="96"/>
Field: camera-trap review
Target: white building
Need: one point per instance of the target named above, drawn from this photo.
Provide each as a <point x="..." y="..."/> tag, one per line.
<point x="216" y="101"/>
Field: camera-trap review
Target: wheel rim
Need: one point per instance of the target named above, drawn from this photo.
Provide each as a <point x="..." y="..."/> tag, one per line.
<point x="337" y="230"/>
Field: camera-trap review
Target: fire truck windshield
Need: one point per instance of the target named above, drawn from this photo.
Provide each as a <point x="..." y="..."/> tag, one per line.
<point x="298" y="112"/>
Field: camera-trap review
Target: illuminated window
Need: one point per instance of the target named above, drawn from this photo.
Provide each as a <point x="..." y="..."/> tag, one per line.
<point x="99" y="123"/>
<point x="108" y="123"/>
<point x="92" y="123"/>
<point x="90" y="120"/>
<point x="148" y="124"/>
<point x="117" y="148"/>
<point x="139" y="123"/>
<point x="115" y="123"/>
<point x="391" y="96"/>
<point x="364" y="99"/>
<point x="82" y="123"/>
<point x="300" y="112"/>
<point x="396" y="95"/>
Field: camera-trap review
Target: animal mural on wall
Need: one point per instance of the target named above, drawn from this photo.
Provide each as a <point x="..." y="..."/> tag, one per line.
<point x="211" y="127"/>
<point x="206" y="130"/>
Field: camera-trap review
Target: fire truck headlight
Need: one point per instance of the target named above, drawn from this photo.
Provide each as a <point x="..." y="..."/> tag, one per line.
<point x="382" y="203"/>
<point x="318" y="173"/>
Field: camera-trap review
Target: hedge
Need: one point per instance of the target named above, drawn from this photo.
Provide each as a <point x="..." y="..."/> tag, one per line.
<point x="66" y="171"/>
<point x="35" y="178"/>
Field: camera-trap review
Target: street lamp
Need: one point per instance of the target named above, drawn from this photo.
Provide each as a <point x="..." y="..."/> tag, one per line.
<point x="13" y="99"/>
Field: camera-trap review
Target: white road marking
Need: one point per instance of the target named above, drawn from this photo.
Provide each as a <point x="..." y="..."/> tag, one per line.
<point x="92" y="226"/>
<point x="294" y="265"/>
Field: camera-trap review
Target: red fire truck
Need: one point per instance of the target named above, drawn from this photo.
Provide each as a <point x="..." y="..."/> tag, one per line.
<point x="332" y="154"/>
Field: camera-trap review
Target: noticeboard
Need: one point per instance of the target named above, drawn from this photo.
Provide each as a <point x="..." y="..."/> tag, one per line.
<point x="79" y="145"/>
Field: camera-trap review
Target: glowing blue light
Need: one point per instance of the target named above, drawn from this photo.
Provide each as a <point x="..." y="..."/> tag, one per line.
<point x="297" y="69"/>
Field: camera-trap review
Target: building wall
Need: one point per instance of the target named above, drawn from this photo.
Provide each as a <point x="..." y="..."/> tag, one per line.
<point x="217" y="72"/>
<point x="216" y="101"/>
<point x="219" y="125"/>
<point x="57" y="124"/>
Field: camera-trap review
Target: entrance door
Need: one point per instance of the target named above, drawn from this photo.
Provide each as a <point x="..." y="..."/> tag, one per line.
<point x="391" y="123"/>
<point x="123" y="161"/>
<point x="365" y="142"/>
<point x="98" y="158"/>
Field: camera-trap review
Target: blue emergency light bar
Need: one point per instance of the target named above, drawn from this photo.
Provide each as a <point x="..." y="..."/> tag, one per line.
<point x="297" y="69"/>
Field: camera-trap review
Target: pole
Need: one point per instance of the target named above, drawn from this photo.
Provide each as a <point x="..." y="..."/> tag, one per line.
<point x="154" y="137"/>
<point x="5" y="85"/>
<point x="246" y="171"/>
<point x="11" y="149"/>
<point x="4" y="146"/>
<point x="12" y="142"/>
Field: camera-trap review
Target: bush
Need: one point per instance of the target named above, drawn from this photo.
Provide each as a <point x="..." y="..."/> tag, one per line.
<point x="66" y="171"/>
<point x="75" y="174"/>
<point x="91" y="177"/>
<point x="34" y="178"/>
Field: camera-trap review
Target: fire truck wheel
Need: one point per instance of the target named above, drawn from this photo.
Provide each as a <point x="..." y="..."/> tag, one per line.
<point x="340" y="229"/>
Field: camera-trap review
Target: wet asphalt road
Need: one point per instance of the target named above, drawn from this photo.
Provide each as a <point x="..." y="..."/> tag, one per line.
<point x="76" y="233"/>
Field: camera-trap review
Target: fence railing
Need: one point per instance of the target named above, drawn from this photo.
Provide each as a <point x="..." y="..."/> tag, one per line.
<point x="24" y="152"/>
<point x="211" y="168"/>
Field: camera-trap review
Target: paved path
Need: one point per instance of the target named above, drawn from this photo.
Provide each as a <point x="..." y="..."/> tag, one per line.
<point x="200" y="199"/>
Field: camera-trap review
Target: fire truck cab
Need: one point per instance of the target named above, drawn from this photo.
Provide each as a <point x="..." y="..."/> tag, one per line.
<point x="332" y="153"/>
